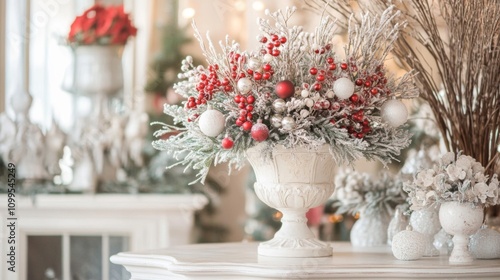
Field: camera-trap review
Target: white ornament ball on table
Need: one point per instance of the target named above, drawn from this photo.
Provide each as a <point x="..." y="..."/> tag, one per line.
<point x="244" y="85"/>
<point x="279" y="105"/>
<point x="343" y="88"/>
<point x="288" y="123"/>
<point x="485" y="244"/>
<point x="211" y="122"/>
<point x="408" y="245"/>
<point x="394" y="112"/>
<point x="276" y="120"/>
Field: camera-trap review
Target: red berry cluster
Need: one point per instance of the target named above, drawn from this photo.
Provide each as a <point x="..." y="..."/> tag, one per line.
<point x="267" y="73"/>
<point x="273" y="43"/>
<point x="207" y="86"/>
<point x="326" y="73"/>
<point x="246" y="108"/>
<point x="235" y="61"/>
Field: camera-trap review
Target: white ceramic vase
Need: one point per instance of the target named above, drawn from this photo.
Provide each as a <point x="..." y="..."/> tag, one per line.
<point x="426" y="221"/>
<point x="370" y="230"/>
<point x="292" y="181"/>
<point x="460" y="220"/>
<point x="97" y="70"/>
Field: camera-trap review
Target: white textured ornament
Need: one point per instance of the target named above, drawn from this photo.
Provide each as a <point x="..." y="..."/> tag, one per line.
<point x="304" y="113"/>
<point x="288" y="123"/>
<point x="343" y="88"/>
<point x="485" y="244"/>
<point x="394" y="112"/>
<point x="211" y="122"/>
<point x="276" y="120"/>
<point x="304" y="93"/>
<point x="244" y="85"/>
<point x="279" y="105"/>
<point x="426" y="221"/>
<point x="408" y="245"/>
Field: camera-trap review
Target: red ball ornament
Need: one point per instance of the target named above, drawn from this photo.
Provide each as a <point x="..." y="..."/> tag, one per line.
<point x="284" y="89"/>
<point x="313" y="71"/>
<point x="259" y="132"/>
<point x="247" y="125"/>
<point x="227" y="143"/>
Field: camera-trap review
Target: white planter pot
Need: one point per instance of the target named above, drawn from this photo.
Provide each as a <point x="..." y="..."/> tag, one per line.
<point x="460" y="220"/>
<point x="293" y="181"/>
<point x="370" y="230"/>
<point x="426" y="221"/>
<point x="96" y="70"/>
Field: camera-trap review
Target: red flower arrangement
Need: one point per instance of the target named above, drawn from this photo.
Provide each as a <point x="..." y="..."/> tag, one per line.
<point x="103" y="26"/>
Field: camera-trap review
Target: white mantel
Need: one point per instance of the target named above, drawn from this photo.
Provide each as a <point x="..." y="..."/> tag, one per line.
<point x="148" y="220"/>
<point x="240" y="261"/>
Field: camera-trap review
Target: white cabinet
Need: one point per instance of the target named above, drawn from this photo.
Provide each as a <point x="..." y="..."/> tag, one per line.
<point x="78" y="233"/>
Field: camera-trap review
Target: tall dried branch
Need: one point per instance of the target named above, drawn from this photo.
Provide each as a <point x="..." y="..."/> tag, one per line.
<point x="461" y="41"/>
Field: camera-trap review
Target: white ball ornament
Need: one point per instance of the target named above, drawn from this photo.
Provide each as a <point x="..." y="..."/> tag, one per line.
<point x="244" y="85"/>
<point x="211" y="122"/>
<point x="408" y="245"/>
<point x="343" y="88"/>
<point x="304" y="93"/>
<point x="394" y="112"/>
<point x="485" y="244"/>
<point x="267" y="57"/>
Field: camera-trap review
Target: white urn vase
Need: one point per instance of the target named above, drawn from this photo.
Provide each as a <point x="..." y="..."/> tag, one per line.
<point x="292" y="181"/>
<point x="460" y="220"/>
<point x="97" y="70"/>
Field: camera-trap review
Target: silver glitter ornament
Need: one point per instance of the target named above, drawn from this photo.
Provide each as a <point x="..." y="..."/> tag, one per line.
<point x="276" y="120"/>
<point x="288" y="123"/>
<point x="244" y="85"/>
<point x="254" y="63"/>
<point x="279" y="105"/>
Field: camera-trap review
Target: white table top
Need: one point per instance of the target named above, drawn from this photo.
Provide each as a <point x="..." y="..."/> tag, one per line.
<point x="240" y="261"/>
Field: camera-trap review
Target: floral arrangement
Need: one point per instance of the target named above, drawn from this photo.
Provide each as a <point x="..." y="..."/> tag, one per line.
<point x="454" y="178"/>
<point x="360" y="192"/>
<point x="293" y="91"/>
<point x="102" y="26"/>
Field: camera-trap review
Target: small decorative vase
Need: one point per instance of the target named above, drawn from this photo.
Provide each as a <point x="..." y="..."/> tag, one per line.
<point x="97" y="69"/>
<point x="292" y="181"/>
<point x="426" y="221"/>
<point x="370" y="229"/>
<point x="460" y="220"/>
